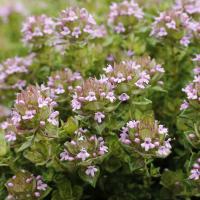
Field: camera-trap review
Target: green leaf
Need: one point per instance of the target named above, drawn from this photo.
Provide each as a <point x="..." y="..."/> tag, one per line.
<point x="3" y="145"/>
<point x="65" y="189"/>
<point x="26" y="144"/>
<point x="70" y="126"/>
<point x="144" y="101"/>
<point x="112" y="164"/>
<point x="77" y="192"/>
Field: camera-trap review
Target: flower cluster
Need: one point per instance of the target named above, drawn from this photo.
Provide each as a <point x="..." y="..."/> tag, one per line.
<point x="146" y="137"/>
<point x="25" y="185"/>
<point x="172" y="24"/>
<point x="138" y="73"/>
<point x="84" y="148"/>
<point x="33" y="111"/>
<point x="195" y="172"/>
<point x="124" y="15"/>
<point x="77" y="24"/>
<point x="37" y="30"/>
<point x="191" y="7"/>
<point x="93" y="90"/>
<point x="62" y="81"/>
<point x="11" y="71"/>
<point x="9" y="8"/>
<point x="192" y="90"/>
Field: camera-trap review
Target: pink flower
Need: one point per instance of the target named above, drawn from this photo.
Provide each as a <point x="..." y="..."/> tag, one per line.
<point x="162" y="32"/>
<point x="171" y="25"/>
<point x="76" y="105"/>
<point x="4" y="125"/>
<point x="197" y="57"/>
<point x="29" y="114"/>
<point x="123" y="97"/>
<point x="185" y="41"/>
<point x="41" y="185"/>
<point x="91" y="170"/>
<point x="144" y="79"/>
<point x="159" y="68"/>
<point x="37" y="194"/>
<point x="103" y="149"/>
<point x="10" y="136"/>
<point x="133" y="124"/>
<point x="59" y="90"/>
<point x="147" y="145"/>
<point x="42" y="102"/>
<point x="120" y="28"/>
<point x="83" y="155"/>
<point x="65" y="31"/>
<point x="16" y="118"/>
<point x="184" y="105"/>
<point x="76" y="32"/>
<point x="99" y="116"/>
<point x="110" y="96"/>
<point x="108" y="69"/>
<point x="124" y="138"/>
<point x="163" y="151"/>
<point x="65" y="156"/>
<point x="52" y="118"/>
<point x="91" y="97"/>
<point x="194" y="174"/>
<point x="162" y="130"/>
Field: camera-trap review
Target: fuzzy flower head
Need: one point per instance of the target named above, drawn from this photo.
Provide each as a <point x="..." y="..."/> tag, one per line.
<point x="93" y="91"/>
<point x="194" y="27"/>
<point x="173" y="25"/>
<point x="195" y="171"/>
<point x="124" y="15"/>
<point x="77" y="25"/>
<point x="10" y="8"/>
<point x="12" y="72"/>
<point x="63" y="81"/>
<point x="37" y="30"/>
<point x="33" y="110"/>
<point x="84" y="148"/>
<point x="136" y="74"/>
<point x="146" y="137"/>
<point x="25" y="185"/>
<point x="192" y="90"/>
<point x="191" y="7"/>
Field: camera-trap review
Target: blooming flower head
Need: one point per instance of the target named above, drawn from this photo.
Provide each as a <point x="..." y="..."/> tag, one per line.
<point x="63" y="81"/>
<point x="147" y="137"/>
<point x="192" y="90"/>
<point x="83" y="147"/>
<point x="172" y="24"/>
<point x="77" y="24"/>
<point x="191" y="7"/>
<point x="137" y="74"/>
<point x="93" y="90"/>
<point x="7" y="9"/>
<point x="30" y="186"/>
<point x="195" y="171"/>
<point x="37" y="30"/>
<point x="124" y="15"/>
<point x="34" y="109"/>
<point x="12" y="71"/>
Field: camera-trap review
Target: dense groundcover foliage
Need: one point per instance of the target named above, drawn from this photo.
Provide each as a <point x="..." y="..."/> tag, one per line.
<point x="100" y="100"/>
